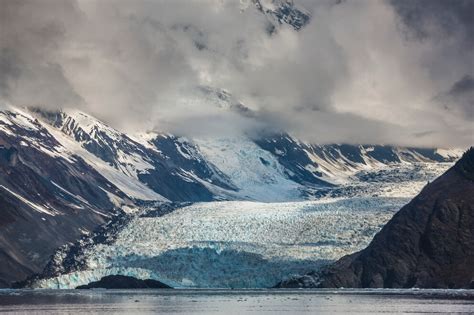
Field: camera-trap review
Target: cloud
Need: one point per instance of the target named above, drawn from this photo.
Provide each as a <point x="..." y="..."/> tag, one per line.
<point x="459" y="98"/>
<point x="358" y="72"/>
<point x="31" y="37"/>
<point x="428" y="19"/>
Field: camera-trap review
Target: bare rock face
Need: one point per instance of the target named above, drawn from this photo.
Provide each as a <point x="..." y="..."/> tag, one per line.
<point x="429" y="243"/>
<point x="124" y="282"/>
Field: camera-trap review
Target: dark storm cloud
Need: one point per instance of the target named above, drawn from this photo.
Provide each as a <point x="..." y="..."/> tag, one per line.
<point x="359" y="71"/>
<point x="450" y="23"/>
<point x="437" y="18"/>
<point x="459" y="98"/>
<point x="9" y="70"/>
<point x="463" y="86"/>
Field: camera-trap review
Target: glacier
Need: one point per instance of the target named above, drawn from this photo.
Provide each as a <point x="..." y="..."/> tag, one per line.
<point x="234" y="244"/>
<point x="255" y="171"/>
<point x="250" y="244"/>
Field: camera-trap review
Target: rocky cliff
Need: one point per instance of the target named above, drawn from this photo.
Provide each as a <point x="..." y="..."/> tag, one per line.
<point x="429" y="243"/>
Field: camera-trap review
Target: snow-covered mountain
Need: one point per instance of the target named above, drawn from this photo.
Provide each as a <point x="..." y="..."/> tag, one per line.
<point x="49" y="196"/>
<point x="159" y="166"/>
<point x="66" y="173"/>
<point x="283" y="12"/>
<point x="170" y="166"/>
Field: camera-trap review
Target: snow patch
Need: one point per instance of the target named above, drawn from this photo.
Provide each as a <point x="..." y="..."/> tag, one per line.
<point x="39" y="208"/>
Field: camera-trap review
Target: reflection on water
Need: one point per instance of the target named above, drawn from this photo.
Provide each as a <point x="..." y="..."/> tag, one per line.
<point x="236" y="301"/>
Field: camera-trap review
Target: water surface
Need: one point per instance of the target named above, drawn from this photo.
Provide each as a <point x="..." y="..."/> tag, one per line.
<point x="236" y="301"/>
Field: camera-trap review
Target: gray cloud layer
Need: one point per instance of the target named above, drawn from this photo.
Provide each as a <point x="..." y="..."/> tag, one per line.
<point x="396" y="72"/>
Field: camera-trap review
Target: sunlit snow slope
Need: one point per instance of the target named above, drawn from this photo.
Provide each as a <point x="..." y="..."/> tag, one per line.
<point x="256" y="172"/>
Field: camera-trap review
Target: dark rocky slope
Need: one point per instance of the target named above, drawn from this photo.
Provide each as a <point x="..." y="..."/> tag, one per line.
<point x="429" y="243"/>
<point x="124" y="282"/>
<point x="46" y="200"/>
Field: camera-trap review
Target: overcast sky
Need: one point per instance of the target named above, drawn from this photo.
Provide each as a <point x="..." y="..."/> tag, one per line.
<point x="365" y="71"/>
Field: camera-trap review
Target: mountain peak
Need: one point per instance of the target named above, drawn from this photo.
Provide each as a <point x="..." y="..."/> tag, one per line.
<point x="281" y="12"/>
<point x="465" y="165"/>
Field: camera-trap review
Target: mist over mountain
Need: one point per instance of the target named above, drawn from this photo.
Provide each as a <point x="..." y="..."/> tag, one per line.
<point x="377" y="72"/>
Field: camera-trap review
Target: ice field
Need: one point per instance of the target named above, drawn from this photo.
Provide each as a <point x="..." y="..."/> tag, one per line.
<point x="234" y="243"/>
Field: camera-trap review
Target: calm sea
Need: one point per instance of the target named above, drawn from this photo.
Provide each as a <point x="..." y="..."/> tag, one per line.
<point x="236" y="301"/>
